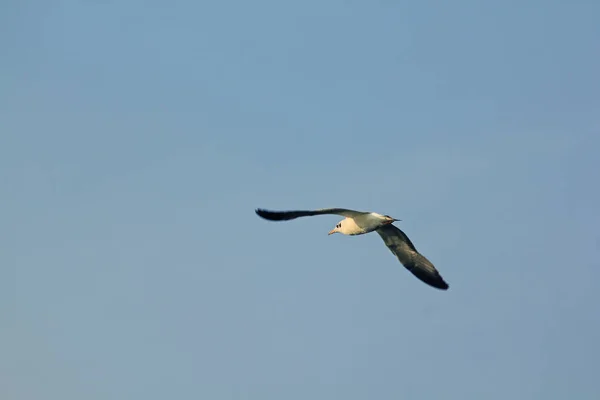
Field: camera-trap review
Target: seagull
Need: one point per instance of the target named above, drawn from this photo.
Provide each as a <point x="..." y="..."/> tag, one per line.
<point x="363" y="222"/>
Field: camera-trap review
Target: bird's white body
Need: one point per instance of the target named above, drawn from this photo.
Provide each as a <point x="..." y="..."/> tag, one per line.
<point x="361" y="224"/>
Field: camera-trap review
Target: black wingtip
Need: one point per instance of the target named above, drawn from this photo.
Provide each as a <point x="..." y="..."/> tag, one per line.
<point x="439" y="283"/>
<point x="259" y="212"/>
<point x="431" y="278"/>
<point x="268" y="215"/>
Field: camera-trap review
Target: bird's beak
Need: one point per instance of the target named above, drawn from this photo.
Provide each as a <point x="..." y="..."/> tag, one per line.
<point x="331" y="232"/>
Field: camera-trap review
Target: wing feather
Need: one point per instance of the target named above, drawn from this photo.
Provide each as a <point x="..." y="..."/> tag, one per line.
<point x="401" y="246"/>
<point x="288" y="215"/>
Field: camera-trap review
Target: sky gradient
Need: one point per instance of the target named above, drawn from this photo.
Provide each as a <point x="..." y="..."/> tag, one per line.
<point x="137" y="138"/>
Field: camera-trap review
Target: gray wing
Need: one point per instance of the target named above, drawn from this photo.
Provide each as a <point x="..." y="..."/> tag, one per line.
<point x="415" y="262"/>
<point x="287" y="215"/>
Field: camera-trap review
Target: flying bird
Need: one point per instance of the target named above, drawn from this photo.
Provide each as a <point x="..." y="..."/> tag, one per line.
<point x="362" y="222"/>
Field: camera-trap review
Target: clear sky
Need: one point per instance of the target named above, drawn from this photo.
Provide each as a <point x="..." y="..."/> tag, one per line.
<point x="138" y="137"/>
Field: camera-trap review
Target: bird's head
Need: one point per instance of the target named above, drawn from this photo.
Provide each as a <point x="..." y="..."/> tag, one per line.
<point x="388" y="220"/>
<point x="338" y="228"/>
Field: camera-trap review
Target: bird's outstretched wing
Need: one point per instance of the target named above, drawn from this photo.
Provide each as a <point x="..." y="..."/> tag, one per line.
<point x="287" y="215"/>
<point x="415" y="262"/>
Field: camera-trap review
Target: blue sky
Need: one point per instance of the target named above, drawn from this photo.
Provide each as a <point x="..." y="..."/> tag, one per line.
<point x="137" y="138"/>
